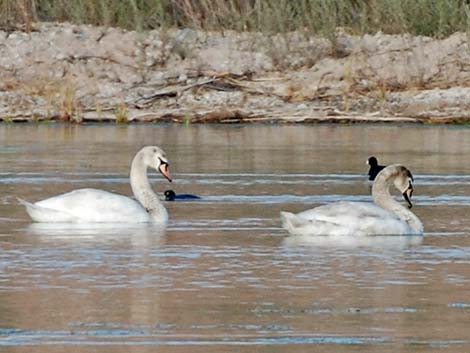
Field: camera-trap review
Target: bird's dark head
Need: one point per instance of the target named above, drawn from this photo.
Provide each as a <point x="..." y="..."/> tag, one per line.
<point x="372" y="161"/>
<point x="169" y="195"/>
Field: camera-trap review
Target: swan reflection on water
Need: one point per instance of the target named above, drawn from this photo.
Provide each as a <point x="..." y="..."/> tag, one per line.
<point x="350" y="241"/>
<point x="137" y="233"/>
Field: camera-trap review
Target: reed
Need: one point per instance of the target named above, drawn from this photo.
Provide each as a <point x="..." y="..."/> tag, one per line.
<point x="419" y="17"/>
<point x="122" y="114"/>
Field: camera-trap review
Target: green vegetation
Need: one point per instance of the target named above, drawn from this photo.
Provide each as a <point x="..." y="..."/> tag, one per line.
<point x="436" y="18"/>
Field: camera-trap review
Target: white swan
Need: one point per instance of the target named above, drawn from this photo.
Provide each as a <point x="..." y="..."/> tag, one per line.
<point x="99" y="206"/>
<point x="385" y="217"/>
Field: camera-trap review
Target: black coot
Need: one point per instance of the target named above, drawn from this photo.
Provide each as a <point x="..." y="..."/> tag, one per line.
<point x="170" y="195"/>
<point x="375" y="168"/>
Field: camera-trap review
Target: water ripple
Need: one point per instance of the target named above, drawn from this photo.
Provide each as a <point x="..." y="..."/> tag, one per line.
<point x="222" y="178"/>
<point x="130" y="337"/>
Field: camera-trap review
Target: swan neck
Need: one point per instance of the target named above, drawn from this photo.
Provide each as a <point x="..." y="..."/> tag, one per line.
<point x="383" y="198"/>
<point x="143" y="191"/>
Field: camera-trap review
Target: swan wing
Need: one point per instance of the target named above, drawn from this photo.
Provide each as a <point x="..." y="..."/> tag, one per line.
<point x="336" y="211"/>
<point x="296" y="225"/>
<point x="90" y="205"/>
<point x="46" y="215"/>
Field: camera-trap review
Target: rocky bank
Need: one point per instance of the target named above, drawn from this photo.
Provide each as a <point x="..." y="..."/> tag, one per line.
<point x="82" y="73"/>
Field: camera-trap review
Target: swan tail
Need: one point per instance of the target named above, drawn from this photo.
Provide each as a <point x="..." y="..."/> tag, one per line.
<point x="44" y="214"/>
<point x="23" y="202"/>
<point x="291" y="222"/>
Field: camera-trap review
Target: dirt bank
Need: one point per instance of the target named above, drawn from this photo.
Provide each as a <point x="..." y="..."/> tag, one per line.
<point x="83" y="73"/>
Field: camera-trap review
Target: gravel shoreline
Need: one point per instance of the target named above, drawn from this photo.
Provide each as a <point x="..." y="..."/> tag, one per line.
<point x="81" y="73"/>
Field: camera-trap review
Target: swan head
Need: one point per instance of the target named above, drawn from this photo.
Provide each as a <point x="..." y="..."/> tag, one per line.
<point x="404" y="183"/>
<point x="155" y="157"/>
<point x="400" y="177"/>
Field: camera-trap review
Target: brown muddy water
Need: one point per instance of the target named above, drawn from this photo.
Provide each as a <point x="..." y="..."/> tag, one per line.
<point x="224" y="277"/>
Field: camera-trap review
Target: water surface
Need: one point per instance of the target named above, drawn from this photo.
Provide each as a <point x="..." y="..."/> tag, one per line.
<point x="223" y="277"/>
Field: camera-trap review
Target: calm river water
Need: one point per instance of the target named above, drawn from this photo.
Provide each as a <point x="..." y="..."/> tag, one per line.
<point x="224" y="277"/>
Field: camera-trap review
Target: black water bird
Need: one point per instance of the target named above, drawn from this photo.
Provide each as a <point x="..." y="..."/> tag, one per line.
<point x="375" y="168"/>
<point x="170" y="195"/>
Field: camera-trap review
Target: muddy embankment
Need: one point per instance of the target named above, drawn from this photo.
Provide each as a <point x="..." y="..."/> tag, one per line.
<point x="76" y="73"/>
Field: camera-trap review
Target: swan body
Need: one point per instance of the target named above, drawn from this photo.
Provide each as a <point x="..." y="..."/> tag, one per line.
<point x="74" y="207"/>
<point x="385" y="217"/>
<point x="100" y="206"/>
<point x="345" y="218"/>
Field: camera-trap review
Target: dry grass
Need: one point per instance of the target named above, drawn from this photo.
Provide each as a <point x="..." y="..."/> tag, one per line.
<point x="122" y="114"/>
<point x="419" y="17"/>
<point x="61" y="96"/>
